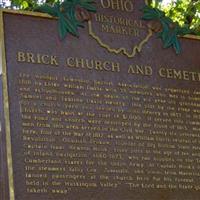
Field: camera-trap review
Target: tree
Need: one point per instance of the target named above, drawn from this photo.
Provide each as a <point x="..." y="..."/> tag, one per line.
<point x="184" y="12"/>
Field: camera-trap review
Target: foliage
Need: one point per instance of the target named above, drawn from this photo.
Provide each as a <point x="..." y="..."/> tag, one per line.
<point x="184" y="12"/>
<point x="169" y="31"/>
<point x="66" y="14"/>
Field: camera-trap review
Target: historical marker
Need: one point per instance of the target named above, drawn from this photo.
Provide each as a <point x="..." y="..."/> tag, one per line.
<point x="110" y="115"/>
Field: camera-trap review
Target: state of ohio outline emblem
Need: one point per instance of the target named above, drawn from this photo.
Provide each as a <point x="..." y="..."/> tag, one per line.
<point x="117" y="26"/>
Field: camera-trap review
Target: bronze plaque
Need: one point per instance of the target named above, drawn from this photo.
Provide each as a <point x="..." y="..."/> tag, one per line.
<point x="86" y="122"/>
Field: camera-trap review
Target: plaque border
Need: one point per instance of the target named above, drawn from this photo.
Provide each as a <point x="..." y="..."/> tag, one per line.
<point x="6" y="108"/>
<point x="2" y="147"/>
<point x="6" y="113"/>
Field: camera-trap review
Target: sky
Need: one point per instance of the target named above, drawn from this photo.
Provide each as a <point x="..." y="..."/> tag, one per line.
<point x="165" y="2"/>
